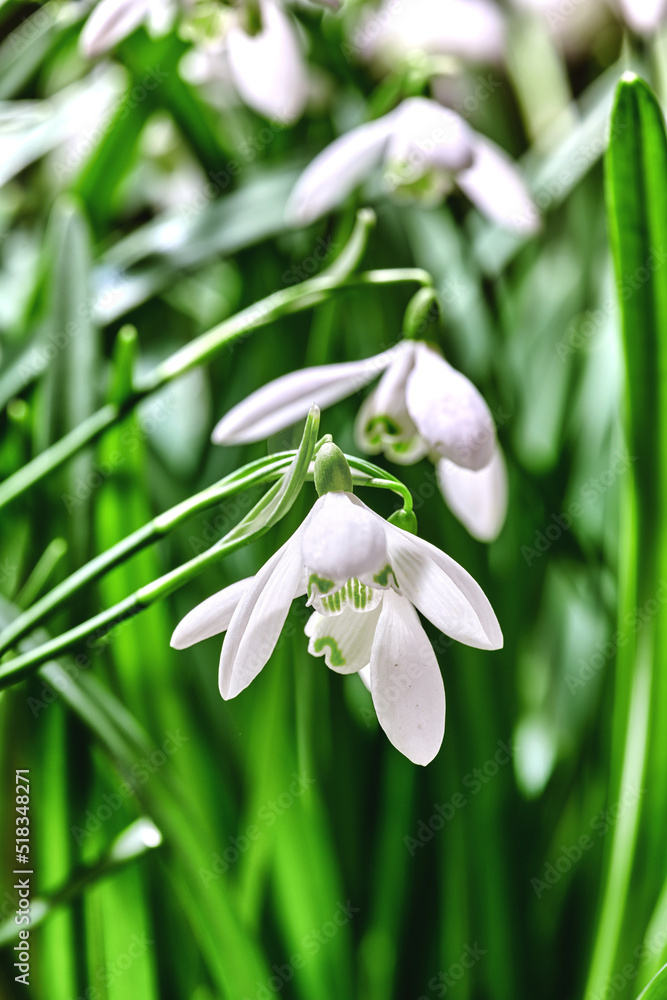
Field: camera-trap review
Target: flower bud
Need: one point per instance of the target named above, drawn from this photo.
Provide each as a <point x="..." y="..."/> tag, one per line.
<point x="332" y="473"/>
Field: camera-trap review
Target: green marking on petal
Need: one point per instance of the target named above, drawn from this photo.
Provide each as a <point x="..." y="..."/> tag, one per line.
<point x="382" y="578"/>
<point x="379" y="427"/>
<point x="322" y="584"/>
<point x="336" y="658"/>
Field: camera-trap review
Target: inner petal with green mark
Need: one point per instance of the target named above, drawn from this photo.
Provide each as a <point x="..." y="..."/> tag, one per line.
<point x="344" y="640"/>
<point x="353" y="595"/>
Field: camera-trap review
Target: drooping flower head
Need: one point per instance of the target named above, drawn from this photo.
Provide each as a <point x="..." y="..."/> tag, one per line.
<point x="364" y="577"/>
<point x="421" y="407"/>
<point x="424" y="149"/>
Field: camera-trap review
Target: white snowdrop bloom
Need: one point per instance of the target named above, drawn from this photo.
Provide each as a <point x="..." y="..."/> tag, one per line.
<point x="424" y="149"/>
<point x="421" y="406"/>
<point x="477" y="498"/>
<point x="468" y="29"/>
<point x="268" y="68"/>
<point x="113" y="20"/>
<point x="364" y="578"/>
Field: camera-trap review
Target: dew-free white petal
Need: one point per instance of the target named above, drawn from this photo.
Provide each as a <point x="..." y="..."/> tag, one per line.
<point x="443" y="591"/>
<point x="285" y="400"/>
<point x="406" y="683"/>
<point x="449" y="412"/>
<point x="345" y="640"/>
<point x="268" y="69"/>
<point x="425" y="134"/>
<point x="469" y="29"/>
<point x="643" y="16"/>
<point x="109" y="23"/>
<point x="478" y="499"/>
<point x="495" y="185"/>
<point x="343" y="540"/>
<point x="337" y="171"/>
<point x="211" y="617"/>
<point x="259" y="617"/>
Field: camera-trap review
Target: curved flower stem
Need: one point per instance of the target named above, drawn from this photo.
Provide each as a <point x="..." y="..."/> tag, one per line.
<point x="255" y="474"/>
<point x="380" y="478"/>
<point x="273" y="505"/>
<point x="285" y="302"/>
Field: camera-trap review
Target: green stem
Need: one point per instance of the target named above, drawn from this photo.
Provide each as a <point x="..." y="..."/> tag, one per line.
<point x="255" y="474"/>
<point x="285" y="302"/>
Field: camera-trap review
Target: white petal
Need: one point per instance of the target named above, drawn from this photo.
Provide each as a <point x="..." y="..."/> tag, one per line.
<point x="383" y="422"/>
<point x="365" y="674"/>
<point x="494" y="183"/>
<point x="478" y="499"/>
<point x="449" y="412"/>
<point x="344" y="640"/>
<point x="343" y="540"/>
<point x="428" y="135"/>
<point x="259" y="617"/>
<point x="210" y="617"/>
<point x="288" y="399"/>
<point x="406" y="683"/>
<point x="443" y="591"/>
<point x="337" y="171"/>
<point x="470" y="29"/>
<point x="109" y="23"/>
<point x="643" y="16"/>
<point x="268" y="68"/>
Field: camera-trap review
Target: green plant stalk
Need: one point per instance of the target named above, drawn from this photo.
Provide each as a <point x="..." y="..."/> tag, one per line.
<point x="20" y="666"/>
<point x="273" y="505"/>
<point x="285" y="302"/>
<point x="256" y="474"/>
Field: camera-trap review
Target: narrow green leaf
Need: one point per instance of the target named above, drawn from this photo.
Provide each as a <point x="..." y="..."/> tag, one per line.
<point x="636" y="167"/>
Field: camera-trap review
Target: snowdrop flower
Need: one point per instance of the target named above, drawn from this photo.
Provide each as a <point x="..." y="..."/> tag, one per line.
<point x="420" y="407"/>
<point x="268" y="68"/>
<point x="113" y="20"/>
<point x="364" y="578"/>
<point x="424" y="149"/>
<point x="467" y="29"/>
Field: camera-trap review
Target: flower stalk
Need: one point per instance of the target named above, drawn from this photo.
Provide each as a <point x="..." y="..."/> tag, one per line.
<point x="285" y="302"/>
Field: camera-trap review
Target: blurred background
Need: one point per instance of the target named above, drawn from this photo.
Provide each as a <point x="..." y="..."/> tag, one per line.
<point x="184" y="847"/>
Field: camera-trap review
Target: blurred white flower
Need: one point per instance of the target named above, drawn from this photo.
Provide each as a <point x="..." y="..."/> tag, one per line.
<point x="424" y="149"/>
<point x="364" y="577"/>
<point x="469" y="29"/>
<point x="113" y="20"/>
<point x="421" y="406"/>
<point x="268" y="68"/>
